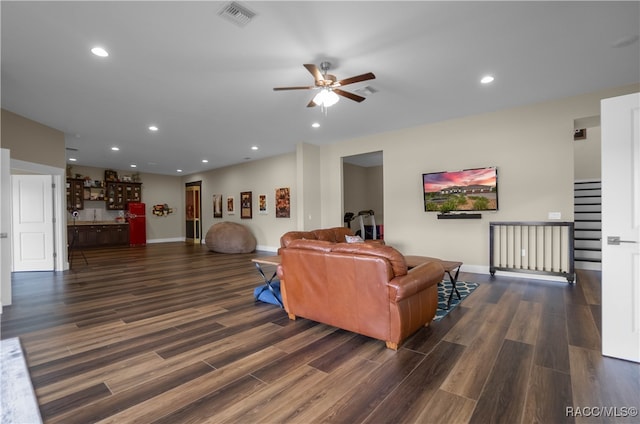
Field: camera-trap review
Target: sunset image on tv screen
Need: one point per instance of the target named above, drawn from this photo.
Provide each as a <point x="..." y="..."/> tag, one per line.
<point x="468" y="190"/>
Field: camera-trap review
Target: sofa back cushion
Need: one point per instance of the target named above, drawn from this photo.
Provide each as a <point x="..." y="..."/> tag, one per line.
<point x="395" y="258"/>
<point x="288" y="237"/>
<point x="322" y="246"/>
<point x="335" y="235"/>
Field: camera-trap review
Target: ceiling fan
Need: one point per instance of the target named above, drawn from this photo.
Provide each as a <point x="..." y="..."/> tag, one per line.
<point x="329" y="86"/>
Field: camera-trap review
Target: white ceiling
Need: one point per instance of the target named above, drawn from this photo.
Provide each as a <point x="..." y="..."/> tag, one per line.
<point x="207" y="83"/>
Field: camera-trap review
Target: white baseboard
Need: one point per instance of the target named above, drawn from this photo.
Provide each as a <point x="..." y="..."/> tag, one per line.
<point x="484" y="269"/>
<point x="166" y="240"/>
<point x="266" y="248"/>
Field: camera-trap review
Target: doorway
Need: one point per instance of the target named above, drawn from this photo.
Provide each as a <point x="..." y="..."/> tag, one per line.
<point x="32" y="217"/>
<point x="193" y="212"/>
<point x="363" y="193"/>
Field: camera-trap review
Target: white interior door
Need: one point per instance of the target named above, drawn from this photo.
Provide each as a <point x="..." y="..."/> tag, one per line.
<point x="621" y="227"/>
<point x="32" y="204"/>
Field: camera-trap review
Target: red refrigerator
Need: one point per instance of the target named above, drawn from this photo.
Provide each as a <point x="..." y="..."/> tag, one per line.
<point x="137" y="224"/>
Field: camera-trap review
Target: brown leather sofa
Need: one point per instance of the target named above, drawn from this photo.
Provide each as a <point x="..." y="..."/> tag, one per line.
<point x="360" y="287"/>
<point x="334" y="235"/>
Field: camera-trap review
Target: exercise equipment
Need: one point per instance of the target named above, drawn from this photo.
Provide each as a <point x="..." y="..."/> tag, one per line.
<point x="350" y="216"/>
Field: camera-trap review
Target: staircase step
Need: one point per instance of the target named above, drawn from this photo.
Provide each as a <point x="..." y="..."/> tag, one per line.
<point x="596" y="266"/>
<point x="587" y="234"/>
<point x="587" y="184"/>
<point x="588" y="208"/>
<point x="587" y="200"/>
<point x="583" y="244"/>
<point x="588" y="216"/>
<point x="587" y="192"/>
<point x="588" y="225"/>
<point x="588" y="255"/>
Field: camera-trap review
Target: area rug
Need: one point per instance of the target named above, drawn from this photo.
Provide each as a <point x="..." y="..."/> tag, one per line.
<point x="18" y="402"/>
<point x="444" y="289"/>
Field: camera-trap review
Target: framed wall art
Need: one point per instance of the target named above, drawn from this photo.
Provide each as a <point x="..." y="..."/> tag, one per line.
<point x="217" y="205"/>
<point x="262" y="204"/>
<point x="283" y="203"/>
<point x="246" y="211"/>
<point x="231" y="205"/>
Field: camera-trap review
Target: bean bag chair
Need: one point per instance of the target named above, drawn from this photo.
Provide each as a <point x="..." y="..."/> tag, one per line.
<point x="230" y="237"/>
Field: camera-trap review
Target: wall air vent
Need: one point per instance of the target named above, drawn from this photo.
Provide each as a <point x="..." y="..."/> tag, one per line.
<point x="237" y="13"/>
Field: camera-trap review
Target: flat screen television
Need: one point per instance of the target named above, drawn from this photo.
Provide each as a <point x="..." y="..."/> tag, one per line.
<point x="466" y="190"/>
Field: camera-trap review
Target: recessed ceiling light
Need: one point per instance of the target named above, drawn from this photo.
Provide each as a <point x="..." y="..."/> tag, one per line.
<point x="115" y="149"/>
<point x="133" y="165"/>
<point x="153" y="128"/>
<point x="315" y="125"/>
<point x="72" y="159"/>
<point x="254" y="147"/>
<point x="99" y="51"/>
<point x="487" y="79"/>
<point x="178" y="170"/>
<point x="205" y="161"/>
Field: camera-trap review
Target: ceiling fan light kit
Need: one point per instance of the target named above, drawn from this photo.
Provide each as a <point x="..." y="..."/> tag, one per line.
<point x="326" y="98"/>
<point x="329" y="86"/>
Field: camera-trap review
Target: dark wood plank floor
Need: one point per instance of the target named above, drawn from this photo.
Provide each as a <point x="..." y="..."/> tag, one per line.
<point x="170" y="333"/>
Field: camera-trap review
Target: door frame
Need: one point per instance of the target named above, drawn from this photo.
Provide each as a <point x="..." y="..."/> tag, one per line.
<point x="60" y="261"/>
<point x="197" y="211"/>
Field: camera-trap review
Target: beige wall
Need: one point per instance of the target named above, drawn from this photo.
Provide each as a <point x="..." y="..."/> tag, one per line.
<point x="160" y="190"/>
<point x="31" y="141"/>
<point x="532" y="146"/>
<point x="259" y="177"/>
<point x="587" y="155"/>
<point x="308" y="187"/>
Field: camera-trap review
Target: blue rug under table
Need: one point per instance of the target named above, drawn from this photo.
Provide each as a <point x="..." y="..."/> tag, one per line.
<point x="263" y="294"/>
<point x="444" y="290"/>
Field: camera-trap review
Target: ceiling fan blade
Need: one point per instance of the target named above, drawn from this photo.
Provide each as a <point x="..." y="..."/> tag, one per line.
<point x="293" y="88"/>
<point x="348" y="95"/>
<point x="311" y="104"/>
<point x="317" y="75"/>
<point x="363" y="77"/>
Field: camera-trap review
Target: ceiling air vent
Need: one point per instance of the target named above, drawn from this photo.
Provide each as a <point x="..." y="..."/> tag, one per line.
<point x="237" y="13"/>
<point x="366" y="91"/>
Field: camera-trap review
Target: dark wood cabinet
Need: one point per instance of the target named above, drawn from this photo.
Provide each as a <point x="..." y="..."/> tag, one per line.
<point x="97" y="235"/>
<point x="118" y="194"/>
<point x="75" y="194"/>
<point x="119" y="234"/>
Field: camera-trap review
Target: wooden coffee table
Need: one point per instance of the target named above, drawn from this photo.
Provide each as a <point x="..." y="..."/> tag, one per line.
<point x="449" y="267"/>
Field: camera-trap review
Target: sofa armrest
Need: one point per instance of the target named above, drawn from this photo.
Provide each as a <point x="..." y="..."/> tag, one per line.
<point x="416" y="280"/>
